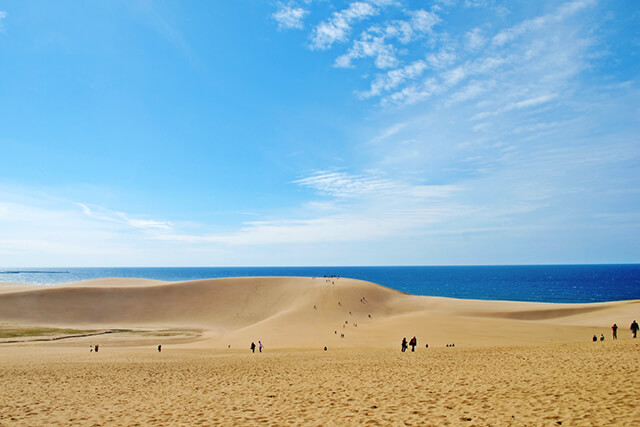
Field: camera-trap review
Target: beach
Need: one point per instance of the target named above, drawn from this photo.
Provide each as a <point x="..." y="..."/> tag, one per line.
<point x="512" y="364"/>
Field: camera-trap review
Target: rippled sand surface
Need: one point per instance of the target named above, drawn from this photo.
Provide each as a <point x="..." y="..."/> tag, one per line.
<point x="556" y="384"/>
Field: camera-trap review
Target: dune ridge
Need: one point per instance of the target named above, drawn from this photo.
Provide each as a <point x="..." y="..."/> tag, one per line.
<point x="295" y="312"/>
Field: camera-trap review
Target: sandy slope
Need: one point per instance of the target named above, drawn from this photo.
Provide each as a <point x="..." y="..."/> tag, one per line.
<point x="289" y="312"/>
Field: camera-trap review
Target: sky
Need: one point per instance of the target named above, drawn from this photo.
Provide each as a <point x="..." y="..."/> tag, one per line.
<point x="316" y="132"/>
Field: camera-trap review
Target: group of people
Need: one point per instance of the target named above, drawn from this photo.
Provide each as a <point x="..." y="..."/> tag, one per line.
<point x="253" y="347"/>
<point x="413" y="343"/>
<point x="614" y="331"/>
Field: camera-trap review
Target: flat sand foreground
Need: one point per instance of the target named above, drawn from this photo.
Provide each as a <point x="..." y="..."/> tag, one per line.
<point x="555" y="384"/>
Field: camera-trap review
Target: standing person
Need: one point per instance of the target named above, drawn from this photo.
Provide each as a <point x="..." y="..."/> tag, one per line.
<point x="634" y="328"/>
<point x="260" y="346"/>
<point x="614" y="329"/>
<point x="253" y="347"/>
<point x="404" y="344"/>
<point x="159" y="348"/>
<point x="413" y="343"/>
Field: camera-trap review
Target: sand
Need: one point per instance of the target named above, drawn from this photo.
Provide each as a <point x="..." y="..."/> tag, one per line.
<point x="512" y="364"/>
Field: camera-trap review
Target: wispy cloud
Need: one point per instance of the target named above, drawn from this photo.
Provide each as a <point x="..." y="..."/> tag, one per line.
<point x="290" y="16"/>
<point x="335" y="228"/>
<point x="103" y="214"/>
<point x="344" y="185"/>
<point x="356" y="208"/>
<point x="474" y="39"/>
<point x="414" y="72"/>
<point x="395" y="78"/>
<point x="563" y="12"/>
<point x="2" y="16"/>
<point x="518" y="105"/>
<point x="338" y="27"/>
<point x="376" y="41"/>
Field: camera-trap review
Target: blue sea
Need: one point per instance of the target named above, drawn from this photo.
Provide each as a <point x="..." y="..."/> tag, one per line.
<point x="541" y="283"/>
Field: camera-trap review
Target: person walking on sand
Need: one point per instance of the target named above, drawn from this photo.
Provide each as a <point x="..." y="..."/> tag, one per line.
<point x="260" y="346"/>
<point x="253" y="347"/>
<point x="404" y="344"/>
<point x="634" y="328"/>
<point x="614" y="329"/>
<point x="413" y="343"/>
<point x="159" y="348"/>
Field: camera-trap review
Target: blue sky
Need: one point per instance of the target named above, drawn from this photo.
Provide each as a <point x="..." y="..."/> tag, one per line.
<point x="314" y="132"/>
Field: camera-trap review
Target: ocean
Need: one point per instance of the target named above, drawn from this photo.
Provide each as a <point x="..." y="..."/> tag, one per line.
<point x="539" y="283"/>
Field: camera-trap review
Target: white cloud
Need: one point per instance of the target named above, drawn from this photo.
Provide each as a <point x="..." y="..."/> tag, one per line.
<point x="376" y="41"/>
<point x="422" y="21"/>
<point x="441" y="59"/>
<point x="338" y="27"/>
<point x="340" y="184"/>
<point x="471" y="91"/>
<point x="563" y="12"/>
<point x="518" y="105"/>
<point x="384" y="53"/>
<point x="394" y="78"/>
<point x="390" y="131"/>
<point x="414" y="93"/>
<point x="474" y="39"/>
<point x="289" y="16"/>
<point x="344" y="185"/>
<point x="363" y="208"/>
<point x="531" y="102"/>
<point x="107" y="215"/>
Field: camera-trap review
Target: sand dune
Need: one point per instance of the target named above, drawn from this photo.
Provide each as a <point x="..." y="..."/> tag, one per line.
<point x="291" y="312"/>
<point x="514" y="363"/>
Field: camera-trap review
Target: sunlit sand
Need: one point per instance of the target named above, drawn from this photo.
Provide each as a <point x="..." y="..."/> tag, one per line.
<point x="512" y="364"/>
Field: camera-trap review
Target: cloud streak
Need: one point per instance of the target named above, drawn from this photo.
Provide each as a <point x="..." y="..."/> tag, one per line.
<point x="290" y="17"/>
<point x="338" y="27"/>
<point x="103" y="214"/>
<point x="3" y="15"/>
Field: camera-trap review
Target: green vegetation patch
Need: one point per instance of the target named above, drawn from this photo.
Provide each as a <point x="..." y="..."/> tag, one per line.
<point x="25" y="332"/>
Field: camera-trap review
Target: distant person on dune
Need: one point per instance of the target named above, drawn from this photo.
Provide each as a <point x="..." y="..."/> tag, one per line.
<point x="601" y="337"/>
<point x="614" y="329"/>
<point x="404" y="344"/>
<point x="595" y="339"/>
<point x="413" y="343"/>
<point x="253" y="347"/>
<point x="260" y="346"/>
<point x="634" y="328"/>
<point x="159" y="348"/>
